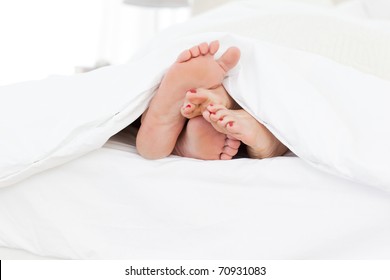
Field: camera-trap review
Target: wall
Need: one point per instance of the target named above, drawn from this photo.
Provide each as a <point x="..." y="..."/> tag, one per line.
<point x="43" y="37"/>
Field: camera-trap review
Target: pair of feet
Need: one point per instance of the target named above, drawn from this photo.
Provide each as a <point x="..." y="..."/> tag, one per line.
<point x="214" y="130"/>
<point x="217" y="121"/>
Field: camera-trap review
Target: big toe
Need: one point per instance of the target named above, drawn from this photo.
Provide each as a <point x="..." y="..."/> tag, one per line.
<point x="188" y="110"/>
<point x="230" y="58"/>
<point x="196" y="98"/>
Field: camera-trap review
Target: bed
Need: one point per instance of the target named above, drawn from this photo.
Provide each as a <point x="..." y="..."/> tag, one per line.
<point x="280" y="208"/>
<point x="110" y="203"/>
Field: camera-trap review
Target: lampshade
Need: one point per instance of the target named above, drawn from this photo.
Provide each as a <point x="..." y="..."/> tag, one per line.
<point x="158" y="3"/>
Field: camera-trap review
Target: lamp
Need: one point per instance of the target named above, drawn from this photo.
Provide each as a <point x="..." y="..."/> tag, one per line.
<point x="159" y="3"/>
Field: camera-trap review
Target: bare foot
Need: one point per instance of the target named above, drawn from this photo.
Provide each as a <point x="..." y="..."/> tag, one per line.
<point x="194" y="68"/>
<point x="197" y="100"/>
<point x="201" y="141"/>
<point x="239" y="124"/>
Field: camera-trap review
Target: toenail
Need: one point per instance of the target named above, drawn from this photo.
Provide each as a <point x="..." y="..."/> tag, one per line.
<point x="211" y="104"/>
<point x="188" y="106"/>
<point x="212" y="113"/>
<point x="230" y="124"/>
<point x="221" y="119"/>
<point x="192" y="90"/>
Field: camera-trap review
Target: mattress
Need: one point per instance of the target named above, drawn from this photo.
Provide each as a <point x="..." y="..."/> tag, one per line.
<point x="176" y="208"/>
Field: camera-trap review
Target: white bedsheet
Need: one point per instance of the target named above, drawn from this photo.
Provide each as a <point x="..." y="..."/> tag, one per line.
<point x="175" y="208"/>
<point x="18" y="254"/>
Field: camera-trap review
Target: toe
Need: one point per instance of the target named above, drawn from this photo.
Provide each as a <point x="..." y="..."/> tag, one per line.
<point x="219" y="115"/>
<point x="204" y="48"/>
<point x="206" y="115"/>
<point x="184" y="56"/>
<point x="226" y="121"/>
<point x="195" y="52"/>
<point x="224" y="156"/>
<point x="197" y="98"/>
<point x="233" y="143"/>
<point x="233" y="128"/>
<point x="229" y="151"/>
<point x="187" y="110"/>
<point x="213" y="47"/>
<point x="215" y="107"/>
<point x="229" y="59"/>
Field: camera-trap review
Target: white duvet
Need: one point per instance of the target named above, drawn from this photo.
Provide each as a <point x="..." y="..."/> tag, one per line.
<point x="329" y="109"/>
